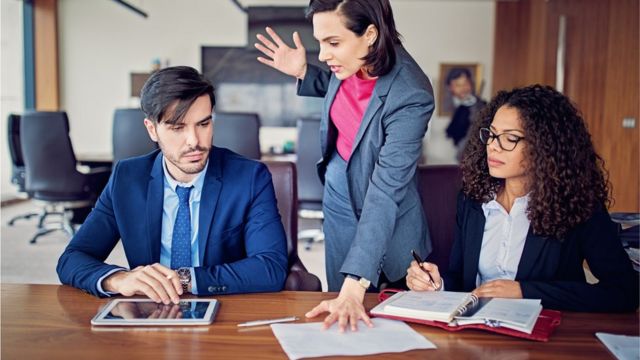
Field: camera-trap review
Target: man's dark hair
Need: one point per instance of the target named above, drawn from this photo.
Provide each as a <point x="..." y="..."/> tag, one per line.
<point x="358" y="15"/>
<point x="456" y="73"/>
<point x="179" y="85"/>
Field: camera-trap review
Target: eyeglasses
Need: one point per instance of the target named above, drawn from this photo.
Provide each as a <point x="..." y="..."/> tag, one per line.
<point x="506" y="141"/>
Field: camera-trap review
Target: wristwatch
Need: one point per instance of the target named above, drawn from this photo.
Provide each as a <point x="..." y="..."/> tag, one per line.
<point x="362" y="281"/>
<point x="184" y="275"/>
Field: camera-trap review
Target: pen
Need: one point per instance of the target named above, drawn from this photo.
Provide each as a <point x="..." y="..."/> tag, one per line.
<point x="268" y="321"/>
<point x="417" y="257"/>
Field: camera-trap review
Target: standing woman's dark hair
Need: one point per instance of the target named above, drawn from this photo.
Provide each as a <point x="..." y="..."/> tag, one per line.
<point x="567" y="180"/>
<point x="359" y="14"/>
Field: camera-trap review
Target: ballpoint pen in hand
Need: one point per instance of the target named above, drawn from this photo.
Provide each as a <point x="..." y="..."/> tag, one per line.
<point x="417" y="258"/>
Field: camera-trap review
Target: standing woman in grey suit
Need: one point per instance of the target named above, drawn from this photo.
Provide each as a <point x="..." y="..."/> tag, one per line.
<point x="377" y="104"/>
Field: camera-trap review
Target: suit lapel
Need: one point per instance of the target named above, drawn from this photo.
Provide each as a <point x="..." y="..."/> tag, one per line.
<point x="378" y="97"/>
<point x="155" y="199"/>
<point x="208" y="200"/>
<point x="332" y="90"/>
<point x="532" y="249"/>
<point x="474" y="245"/>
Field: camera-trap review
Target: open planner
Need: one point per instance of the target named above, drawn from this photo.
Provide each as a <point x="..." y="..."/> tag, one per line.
<point x="457" y="310"/>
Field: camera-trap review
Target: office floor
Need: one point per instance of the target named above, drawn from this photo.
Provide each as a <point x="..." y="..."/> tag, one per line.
<point x="21" y="262"/>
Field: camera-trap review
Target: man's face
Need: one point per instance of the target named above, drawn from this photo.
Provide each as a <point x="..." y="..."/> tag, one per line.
<point x="185" y="145"/>
<point x="460" y="87"/>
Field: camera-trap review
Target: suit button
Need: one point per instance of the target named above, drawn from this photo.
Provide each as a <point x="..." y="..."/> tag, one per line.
<point x="211" y="289"/>
<point x="224" y="288"/>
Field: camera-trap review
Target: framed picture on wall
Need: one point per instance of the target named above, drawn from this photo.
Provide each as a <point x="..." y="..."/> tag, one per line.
<point x="445" y="99"/>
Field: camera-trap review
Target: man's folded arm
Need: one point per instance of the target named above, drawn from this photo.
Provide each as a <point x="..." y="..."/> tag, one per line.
<point x="265" y="267"/>
<point x="82" y="263"/>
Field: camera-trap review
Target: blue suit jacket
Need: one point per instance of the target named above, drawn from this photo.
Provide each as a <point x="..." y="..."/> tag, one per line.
<point x="382" y="172"/>
<point x="241" y="239"/>
<point x="551" y="269"/>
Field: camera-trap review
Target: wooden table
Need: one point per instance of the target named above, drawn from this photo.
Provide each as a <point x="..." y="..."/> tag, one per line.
<point x="52" y="322"/>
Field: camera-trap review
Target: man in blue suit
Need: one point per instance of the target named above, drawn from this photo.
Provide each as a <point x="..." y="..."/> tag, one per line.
<point x="192" y="217"/>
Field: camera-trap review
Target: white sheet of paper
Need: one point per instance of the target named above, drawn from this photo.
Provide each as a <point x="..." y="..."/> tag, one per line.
<point x="309" y="340"/>
<point x="623" y="347"/>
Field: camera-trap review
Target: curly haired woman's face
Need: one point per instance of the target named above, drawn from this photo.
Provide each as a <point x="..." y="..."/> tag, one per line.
<point x="508" y="165"/>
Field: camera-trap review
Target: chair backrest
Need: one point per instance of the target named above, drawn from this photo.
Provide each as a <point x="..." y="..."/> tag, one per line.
<point x="438" y="186"/>
<point x="308" y="153"/>
<point x="130" y="137"/>
<point x="49" y="160"/>
<point x="17" y="161"/>
<point x="283" y="174"/>
<point x="238" y="132"/>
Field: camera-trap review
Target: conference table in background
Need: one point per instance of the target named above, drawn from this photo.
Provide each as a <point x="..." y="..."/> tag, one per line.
<point x="53" y="321"/>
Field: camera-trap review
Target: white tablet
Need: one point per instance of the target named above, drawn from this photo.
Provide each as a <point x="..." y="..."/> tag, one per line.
<point x="123" y="312"/>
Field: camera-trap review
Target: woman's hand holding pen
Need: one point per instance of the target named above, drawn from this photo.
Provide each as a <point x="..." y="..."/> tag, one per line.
<point x="423" y="277"/>
<point x="291" y="61"/>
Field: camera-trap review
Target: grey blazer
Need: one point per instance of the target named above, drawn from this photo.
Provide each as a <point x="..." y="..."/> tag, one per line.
<point x="382" y="168"/>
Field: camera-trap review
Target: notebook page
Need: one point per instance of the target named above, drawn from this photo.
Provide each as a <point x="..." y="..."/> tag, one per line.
<point x="522" y="313"/>
<point x="426" y="305"/>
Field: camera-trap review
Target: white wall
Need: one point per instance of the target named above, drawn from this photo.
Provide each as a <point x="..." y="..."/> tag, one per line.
<point x="101" y="42"/>
<point x="446" y="31"/>
<point x="11" y="80"/>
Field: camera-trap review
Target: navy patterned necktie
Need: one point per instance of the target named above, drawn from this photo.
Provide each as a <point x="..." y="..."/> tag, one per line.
<point x="181" y="240"/>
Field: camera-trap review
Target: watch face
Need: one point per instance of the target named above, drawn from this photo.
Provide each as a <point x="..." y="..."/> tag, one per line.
<point x="184" y="273"/>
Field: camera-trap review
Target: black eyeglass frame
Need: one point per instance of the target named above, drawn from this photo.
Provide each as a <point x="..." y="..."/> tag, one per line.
<point x="491" y="136"/>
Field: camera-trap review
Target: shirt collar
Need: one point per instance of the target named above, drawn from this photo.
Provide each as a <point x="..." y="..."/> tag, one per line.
<point x="197" y="182"/>
<point x="519" y="206"/>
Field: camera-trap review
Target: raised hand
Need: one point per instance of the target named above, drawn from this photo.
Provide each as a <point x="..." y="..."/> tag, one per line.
<point x="290" y="61"/>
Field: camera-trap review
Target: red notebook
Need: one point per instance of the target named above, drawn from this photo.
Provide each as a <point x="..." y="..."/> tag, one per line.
<point x="546" y="323"/>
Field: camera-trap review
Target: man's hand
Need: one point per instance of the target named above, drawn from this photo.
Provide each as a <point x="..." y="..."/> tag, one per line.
<point x="499" y="288"/>
<point x="159" y="283"/>
<point x="346" y="308"/>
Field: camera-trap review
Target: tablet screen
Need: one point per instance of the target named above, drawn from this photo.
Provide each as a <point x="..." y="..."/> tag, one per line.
<point x="141" y="311"/>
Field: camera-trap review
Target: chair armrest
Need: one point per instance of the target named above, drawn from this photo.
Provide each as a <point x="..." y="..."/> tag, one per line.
<point x="299" y="279"/>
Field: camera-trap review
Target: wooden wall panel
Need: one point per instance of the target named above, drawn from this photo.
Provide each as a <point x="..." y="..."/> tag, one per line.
<point x="46" y="54"/>
<point x="619" y="146"/>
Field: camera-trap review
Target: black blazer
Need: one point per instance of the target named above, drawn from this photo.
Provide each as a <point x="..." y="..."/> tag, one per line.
<point x="550" y="269"/>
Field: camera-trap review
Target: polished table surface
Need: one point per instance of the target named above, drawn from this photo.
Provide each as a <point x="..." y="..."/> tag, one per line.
<point x="51" y="321"/>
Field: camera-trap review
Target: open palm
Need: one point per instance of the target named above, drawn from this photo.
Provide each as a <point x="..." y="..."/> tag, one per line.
<point x="290" y="61"/>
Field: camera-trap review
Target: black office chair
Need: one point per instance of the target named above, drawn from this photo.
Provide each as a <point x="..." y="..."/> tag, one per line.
<point x="130" y="137"/>
<point x="439" y="186"/>
<point x="310" y="189"/>
<point x="238" y="132"/>
<point x="17" y="163"/>
<point x="51" y="171"/>
<point x="283" y="174"/>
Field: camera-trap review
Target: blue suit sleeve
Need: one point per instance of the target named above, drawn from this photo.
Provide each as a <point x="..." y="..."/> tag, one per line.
<point x="265" y="267"/>
<point x="82" y="263"/>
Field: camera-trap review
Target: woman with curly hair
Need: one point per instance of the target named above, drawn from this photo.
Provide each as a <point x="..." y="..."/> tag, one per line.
<point x="533" y="208"/>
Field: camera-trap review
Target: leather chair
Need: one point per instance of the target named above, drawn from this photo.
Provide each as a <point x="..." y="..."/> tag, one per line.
<point x="238" y="132"/>
<point x="283" y="174"/>
<point x="438" y="186"/>
<point x="52" y="176"/>
<point x="310" y="189"/>
<point x="130" y="137"/>
<point x="17" y="163"/>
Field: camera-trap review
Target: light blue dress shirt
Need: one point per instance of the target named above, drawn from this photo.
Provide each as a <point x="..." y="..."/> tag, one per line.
<point x="503" y="240"/>
<point x="169" y="212"/>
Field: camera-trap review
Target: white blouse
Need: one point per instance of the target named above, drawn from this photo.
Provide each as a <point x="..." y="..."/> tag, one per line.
<point x="503" y="240"/>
